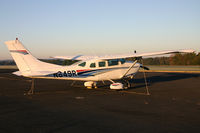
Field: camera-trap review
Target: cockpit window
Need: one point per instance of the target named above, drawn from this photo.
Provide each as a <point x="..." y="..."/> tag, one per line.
<point x="102" y="64"/>
<point x="112" y="62"/>
<point x="92" y="65"/>
<point x="82" y="64"/>
<point x="122" y="61"/>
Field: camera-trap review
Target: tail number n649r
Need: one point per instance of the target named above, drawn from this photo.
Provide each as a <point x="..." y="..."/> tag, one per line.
<point x="65" y="74"/>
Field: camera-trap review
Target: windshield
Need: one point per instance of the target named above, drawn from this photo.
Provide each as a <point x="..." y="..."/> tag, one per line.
<point x="122" y="61"/>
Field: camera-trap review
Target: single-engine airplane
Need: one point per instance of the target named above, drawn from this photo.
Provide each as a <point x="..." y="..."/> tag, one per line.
<point x="90" y="69"/>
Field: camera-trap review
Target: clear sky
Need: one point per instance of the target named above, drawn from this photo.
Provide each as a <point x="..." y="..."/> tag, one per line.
<point x="94" y="27"/>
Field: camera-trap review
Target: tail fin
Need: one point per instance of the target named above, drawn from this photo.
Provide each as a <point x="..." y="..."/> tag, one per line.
<point x="26" y="63"/>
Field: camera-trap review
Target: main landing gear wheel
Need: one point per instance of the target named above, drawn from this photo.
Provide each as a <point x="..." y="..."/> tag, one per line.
<point x="126" y="84"/>
<point x="90" y="85"/>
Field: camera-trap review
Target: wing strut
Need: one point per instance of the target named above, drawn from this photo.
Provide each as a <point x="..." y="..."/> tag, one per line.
<point x="129" y="68"/>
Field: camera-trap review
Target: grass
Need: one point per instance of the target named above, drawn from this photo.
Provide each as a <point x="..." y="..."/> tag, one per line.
<point x="8" y="67"/>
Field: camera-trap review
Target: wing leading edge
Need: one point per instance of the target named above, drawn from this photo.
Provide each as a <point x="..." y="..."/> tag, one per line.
<point x="83" y="57"/>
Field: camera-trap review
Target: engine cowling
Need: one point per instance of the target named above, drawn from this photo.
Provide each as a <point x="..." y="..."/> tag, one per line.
<point x="117" y="86"/>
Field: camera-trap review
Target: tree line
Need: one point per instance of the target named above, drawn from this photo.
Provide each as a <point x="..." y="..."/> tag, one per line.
<point x="176" y="59"/>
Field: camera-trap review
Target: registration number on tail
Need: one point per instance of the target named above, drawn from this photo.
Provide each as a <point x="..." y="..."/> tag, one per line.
<point x="69" y="73"/>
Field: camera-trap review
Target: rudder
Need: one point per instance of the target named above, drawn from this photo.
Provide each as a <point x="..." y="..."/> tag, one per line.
<point x="26" y="62"/>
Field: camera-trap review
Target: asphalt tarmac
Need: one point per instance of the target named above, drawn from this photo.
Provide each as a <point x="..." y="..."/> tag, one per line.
<point x="57" y="107"/>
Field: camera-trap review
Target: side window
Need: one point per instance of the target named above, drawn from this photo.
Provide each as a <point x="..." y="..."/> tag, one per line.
<point x="112" y="62"/>
<point x="92" y="65"/>
<point x="122" y="61"/>
<point x="82" y="64"/>
<point x="102" y="64"/>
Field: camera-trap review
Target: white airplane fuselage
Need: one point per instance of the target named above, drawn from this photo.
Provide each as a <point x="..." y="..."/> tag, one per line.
<point x="86" y="73"/>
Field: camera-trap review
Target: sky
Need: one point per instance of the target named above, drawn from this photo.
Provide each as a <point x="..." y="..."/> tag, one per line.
<point x="98" y="27"/>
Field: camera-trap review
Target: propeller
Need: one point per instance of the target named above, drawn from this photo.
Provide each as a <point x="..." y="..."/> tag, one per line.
<point x="145" y="68"/>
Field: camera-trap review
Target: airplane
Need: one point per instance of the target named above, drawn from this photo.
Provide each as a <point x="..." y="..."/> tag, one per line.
<point x="90" y="69"/>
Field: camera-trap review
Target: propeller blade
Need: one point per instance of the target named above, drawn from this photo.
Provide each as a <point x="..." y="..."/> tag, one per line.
<point x="145" y="68"/>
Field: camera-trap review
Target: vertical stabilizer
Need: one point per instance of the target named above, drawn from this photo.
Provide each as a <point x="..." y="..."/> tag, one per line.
<point x="26" y="63"/>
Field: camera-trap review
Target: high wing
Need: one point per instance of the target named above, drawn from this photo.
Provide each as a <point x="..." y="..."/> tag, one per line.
<point x="78" y="57"/>
<point x="83" y="57"/>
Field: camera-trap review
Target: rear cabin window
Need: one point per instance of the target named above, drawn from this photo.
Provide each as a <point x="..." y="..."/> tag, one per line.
<point x="112" y="62"/>
<point x="92" y="65"/>
<point x="82" y="64"/>
<point x="102" y="64"/>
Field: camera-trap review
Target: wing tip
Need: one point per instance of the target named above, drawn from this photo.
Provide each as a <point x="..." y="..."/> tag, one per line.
<point x="188" y="51"/>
